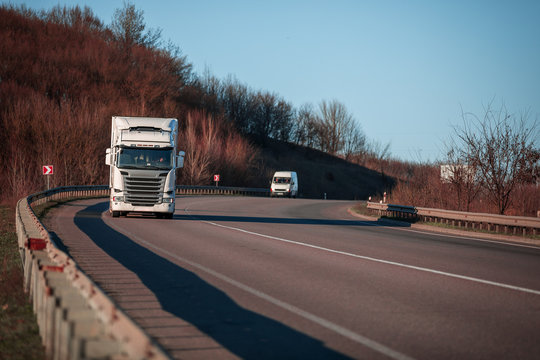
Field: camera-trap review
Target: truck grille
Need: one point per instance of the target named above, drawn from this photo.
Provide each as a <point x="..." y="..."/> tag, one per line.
<point x="143" y="191"/>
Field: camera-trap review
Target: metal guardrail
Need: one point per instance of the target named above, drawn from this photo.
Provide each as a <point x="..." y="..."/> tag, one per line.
<point x="499" y="223"/>
<point x="221" y="190"/>
<point x="103" y="190"/>
<point x="71" y="191"/>
<point x="77" y="320"/>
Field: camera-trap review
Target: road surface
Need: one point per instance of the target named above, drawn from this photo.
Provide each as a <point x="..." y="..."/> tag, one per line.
<point x="261" y="278"/>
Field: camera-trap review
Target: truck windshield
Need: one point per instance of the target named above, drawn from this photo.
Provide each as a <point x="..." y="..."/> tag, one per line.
<point x="137" y="158"/>
<point x="282" y="180"/>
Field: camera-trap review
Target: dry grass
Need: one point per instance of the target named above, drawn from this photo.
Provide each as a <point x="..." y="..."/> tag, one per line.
<point x="19" y="334"/>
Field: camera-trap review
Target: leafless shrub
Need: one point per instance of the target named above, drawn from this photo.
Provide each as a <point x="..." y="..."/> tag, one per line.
<point x="211" y="148"/>
<point x="500" y="147"/>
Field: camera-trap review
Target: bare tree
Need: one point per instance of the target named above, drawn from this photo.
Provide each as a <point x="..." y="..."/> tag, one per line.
<point x="333" y="123"/>
<point x="304" y="130"/>
<point x="128" y="27"/>
<point x="272" y="117"/>
<point x="354" y="141"/>
<point x="463" y="177"/>
<point x="500" y="146"/>
<point x="196" y="137"/>
<point x="378" y="152"/>
<point x="73" y="17"/>
<point x="283" y="121"/>
<point x="236" y="101"/>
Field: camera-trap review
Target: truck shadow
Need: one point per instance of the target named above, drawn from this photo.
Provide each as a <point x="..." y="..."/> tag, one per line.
<point x="184" y="294"/>
<point x="294" y="221"/>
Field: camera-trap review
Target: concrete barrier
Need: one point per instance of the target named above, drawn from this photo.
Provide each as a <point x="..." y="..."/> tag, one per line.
<point x="76" y="319"/>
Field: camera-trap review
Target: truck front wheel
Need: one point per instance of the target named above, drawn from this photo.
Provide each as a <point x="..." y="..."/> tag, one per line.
<point x="115" y="213"/>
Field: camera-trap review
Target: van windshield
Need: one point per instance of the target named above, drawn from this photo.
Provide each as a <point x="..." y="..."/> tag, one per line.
<point x="282" y="180"/>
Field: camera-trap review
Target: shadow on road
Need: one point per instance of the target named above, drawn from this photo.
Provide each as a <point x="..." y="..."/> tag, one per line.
<point x="244" y="333"/>
<point x="295" y="221"/>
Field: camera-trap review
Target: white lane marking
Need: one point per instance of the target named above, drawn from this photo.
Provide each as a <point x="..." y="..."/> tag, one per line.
<point x="372" y="344"/>
<point x="432" y="271"/>
<point x="397" y="228"/>
<point x="500" y="242"/>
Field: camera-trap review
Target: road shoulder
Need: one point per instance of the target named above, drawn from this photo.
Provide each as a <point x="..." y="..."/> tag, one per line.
<point x="448" y="231"/>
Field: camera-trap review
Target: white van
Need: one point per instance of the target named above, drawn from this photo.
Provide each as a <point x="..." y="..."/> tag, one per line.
<point x="284" y="183"/>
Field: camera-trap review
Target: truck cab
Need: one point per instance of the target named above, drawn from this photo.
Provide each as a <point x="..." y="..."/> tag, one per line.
<point x="143" y="163"/>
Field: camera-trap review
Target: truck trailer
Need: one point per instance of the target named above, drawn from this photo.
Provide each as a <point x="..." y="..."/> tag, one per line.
<point x="143" y="163"/>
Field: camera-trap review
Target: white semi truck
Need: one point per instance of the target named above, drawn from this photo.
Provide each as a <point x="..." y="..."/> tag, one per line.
<point x="143" y="163"/>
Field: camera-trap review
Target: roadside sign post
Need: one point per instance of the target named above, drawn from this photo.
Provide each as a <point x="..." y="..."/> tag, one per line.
<point x="216" y="179"/>
<point x="48" y="170"/>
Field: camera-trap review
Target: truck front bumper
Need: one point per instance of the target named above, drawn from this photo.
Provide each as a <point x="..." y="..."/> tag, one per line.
<point x="127" y="207"/>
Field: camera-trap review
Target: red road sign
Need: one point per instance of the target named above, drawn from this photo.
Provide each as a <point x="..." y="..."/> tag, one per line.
<point x="48" y="170"/>
<point x="216" y="177"/>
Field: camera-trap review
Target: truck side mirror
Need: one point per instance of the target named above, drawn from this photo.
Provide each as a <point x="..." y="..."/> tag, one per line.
<point x="108" y="156"/>
<point x="180" y="160"/>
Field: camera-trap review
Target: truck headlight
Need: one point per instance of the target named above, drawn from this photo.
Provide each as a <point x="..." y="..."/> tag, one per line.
<point x="119" y="198"/>
<point x="168" y="200"/>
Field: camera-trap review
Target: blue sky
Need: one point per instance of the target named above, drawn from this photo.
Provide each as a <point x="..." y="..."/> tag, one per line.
<point x="404" y="69"/>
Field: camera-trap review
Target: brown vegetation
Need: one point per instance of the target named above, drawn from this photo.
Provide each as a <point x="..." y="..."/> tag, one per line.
<point x="421" y="185"/>
<point x="19" y="333"/>
<point x="63" y="76"/>
<point x="499" y="149"/>
<point x="214" y="149"/>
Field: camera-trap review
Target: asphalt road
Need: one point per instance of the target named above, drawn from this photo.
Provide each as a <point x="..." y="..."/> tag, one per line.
<point x="260" y="278"/>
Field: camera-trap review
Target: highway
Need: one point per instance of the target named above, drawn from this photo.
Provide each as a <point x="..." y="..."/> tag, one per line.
<point x="261" y="278"/>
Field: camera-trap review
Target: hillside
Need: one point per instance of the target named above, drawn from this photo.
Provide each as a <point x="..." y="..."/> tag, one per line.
<point x="63" y="76"/>
<point x="320" y="173"/>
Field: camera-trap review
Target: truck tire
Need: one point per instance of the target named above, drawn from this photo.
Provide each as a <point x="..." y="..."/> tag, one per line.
<point x="115" y="213"/>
